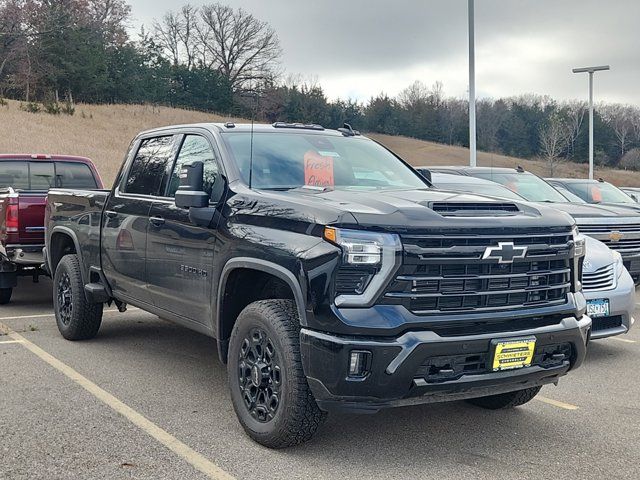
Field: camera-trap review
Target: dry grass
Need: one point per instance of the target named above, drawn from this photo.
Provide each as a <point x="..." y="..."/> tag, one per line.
<point x="418" y="152"/>
<point x="100" y="132"/>
<point x="103" y="133"/>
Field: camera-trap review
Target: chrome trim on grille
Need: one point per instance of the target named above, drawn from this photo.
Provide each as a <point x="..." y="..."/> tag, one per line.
<point x="602" y="279"/>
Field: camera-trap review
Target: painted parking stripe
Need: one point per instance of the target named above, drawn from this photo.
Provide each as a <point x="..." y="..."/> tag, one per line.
<point x="197" y="460"/>
<point x="10" y="341"/>
<point x="625" y="340"/>
<point x="556" y="403"/>
<point x="45" y="315"/>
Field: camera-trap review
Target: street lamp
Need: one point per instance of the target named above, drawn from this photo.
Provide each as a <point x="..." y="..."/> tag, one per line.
<point x="472" y="87"/>
<point x="591" y="71"/>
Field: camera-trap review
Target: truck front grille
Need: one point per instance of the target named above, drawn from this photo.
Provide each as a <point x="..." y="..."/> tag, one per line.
<point x="443" y="274"/>
<point x="447" y="368"/>
<point x="623" y="238"/>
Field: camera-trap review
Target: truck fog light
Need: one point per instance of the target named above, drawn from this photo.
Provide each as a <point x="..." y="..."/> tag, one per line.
<point x="359" y="362"/>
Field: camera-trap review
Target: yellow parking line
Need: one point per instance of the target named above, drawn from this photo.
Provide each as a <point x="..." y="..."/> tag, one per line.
<point x="162" y="436"/>
<point x="625" y="340"/>
<point x="555" y="403"/>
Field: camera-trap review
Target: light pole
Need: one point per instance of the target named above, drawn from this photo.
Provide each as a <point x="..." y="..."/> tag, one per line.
<point x="472" y="87"/>
<point x="591" y="71"/>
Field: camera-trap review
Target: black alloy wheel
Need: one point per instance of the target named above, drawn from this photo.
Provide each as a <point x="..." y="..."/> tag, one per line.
<point x="259" y="375"/>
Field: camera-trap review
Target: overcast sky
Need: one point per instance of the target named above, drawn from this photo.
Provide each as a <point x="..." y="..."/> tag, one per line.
<point x="358" y="48"/>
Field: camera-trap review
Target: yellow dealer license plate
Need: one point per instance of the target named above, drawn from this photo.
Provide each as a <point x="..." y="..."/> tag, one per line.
<point x="513" y="353"/>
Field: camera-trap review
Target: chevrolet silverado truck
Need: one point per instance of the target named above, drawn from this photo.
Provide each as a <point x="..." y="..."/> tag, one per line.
<point x="617" y="226"/>
<point x="329" y="273"/>
<point x="24" y="182"/>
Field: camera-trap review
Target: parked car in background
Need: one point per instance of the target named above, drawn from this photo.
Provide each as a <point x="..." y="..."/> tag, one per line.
<point x="24" y="183"/>
<point x="608" y="288"/>
<point x="597" y="192"/>
<point x="618" y="227"/>
<point x="633" y="192"/>
<point x="331" y="275"/>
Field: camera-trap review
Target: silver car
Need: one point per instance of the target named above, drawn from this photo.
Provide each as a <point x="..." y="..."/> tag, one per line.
<point x="608" y="289"/>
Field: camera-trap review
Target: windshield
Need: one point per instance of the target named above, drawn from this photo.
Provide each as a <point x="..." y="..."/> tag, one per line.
<point x="599" y="192"/>
<point x="526" y="185"/>
<point x="481" y="189"/>
<point x="293" y="160"/>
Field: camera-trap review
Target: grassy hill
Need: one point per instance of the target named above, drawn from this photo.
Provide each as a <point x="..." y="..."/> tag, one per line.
<point x="103" y="133"/>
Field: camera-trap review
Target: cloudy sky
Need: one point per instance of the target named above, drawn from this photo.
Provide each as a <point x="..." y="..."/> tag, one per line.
<point x="358" y="48"/>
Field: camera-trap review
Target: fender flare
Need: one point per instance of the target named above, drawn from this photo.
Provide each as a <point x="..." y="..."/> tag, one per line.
<point x="71" y="234"/>
<point x="263" y="266"/>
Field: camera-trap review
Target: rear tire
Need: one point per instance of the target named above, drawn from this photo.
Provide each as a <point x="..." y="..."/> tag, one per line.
<point x="5" y="295"/>
<point x="77" y="319"/>
<point x="506" y="400"/>
<point x="269" y="390"/>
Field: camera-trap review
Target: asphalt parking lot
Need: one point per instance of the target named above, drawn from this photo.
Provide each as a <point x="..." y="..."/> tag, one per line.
<point x="147" y="399"/>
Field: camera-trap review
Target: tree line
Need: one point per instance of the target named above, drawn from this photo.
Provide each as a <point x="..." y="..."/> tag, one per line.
<point x="221" y="59"/>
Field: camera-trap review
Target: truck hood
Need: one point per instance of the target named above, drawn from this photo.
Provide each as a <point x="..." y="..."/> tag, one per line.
<point x="584" y="210"/>
<point x="400" y="210"/>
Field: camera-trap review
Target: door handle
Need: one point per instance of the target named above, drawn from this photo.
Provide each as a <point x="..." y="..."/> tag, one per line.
<point x="111" y="214"/>
<point x="156" y="221"/>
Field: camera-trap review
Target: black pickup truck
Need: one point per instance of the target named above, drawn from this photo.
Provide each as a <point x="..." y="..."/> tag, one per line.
<point x="331" y="276"/>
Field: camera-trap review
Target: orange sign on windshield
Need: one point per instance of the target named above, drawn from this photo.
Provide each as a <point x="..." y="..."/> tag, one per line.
<point x="318" y="170"/>
<point x="596" y="194"/>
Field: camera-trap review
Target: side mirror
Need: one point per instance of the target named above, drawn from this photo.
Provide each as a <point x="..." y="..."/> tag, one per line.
<point x="191" y="192"/>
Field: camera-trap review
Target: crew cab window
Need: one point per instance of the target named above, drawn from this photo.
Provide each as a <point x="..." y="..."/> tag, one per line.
<point x="149" y="166"/>
<point x="195" y="148"/>
<point x="15" y="175"/>
<point x="42" y="175"/>
<point x="24" y="175"/>
<point x="74" y="175"/>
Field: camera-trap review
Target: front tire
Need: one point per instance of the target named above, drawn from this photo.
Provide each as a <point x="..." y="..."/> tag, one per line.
<point x="506" y="400"/>
<point x="5" y="295"/>
<point x="269" y="390"/>
<point x="77" y="319"/>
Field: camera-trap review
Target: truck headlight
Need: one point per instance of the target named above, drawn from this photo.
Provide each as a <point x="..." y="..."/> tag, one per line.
<point x="578" y="242"/>
<point x="377" y="254"/>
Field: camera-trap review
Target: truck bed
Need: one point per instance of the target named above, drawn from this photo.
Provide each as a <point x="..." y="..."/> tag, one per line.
<point x="78" y="212"/>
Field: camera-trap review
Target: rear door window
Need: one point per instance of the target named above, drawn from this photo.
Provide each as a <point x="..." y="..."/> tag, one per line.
<point x="149" y="166"/>
<point x="74" y="175"/>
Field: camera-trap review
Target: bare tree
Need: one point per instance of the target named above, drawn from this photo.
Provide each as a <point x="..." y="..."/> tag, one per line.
<point x="554" y="140"/>
<point x="574" y="113"/>
<point x="414" y="95"/>
<point x="187" y="34"/>
<point x="167" y="36"/>
<point x="620" y="118"/>
<point x="244" y="49"/>
<point x="110" y="17"/>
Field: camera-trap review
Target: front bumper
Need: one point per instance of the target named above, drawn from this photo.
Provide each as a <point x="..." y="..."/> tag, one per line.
<point x="401" y="370"/>
<point x="622" y="303"/>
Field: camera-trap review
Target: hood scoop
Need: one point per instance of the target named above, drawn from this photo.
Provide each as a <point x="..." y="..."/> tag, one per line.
<point x="474" y="208"/>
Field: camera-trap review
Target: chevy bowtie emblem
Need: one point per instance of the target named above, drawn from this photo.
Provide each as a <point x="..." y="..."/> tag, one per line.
<point x="616" y="236"/>
<point x="505" y="252"/>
